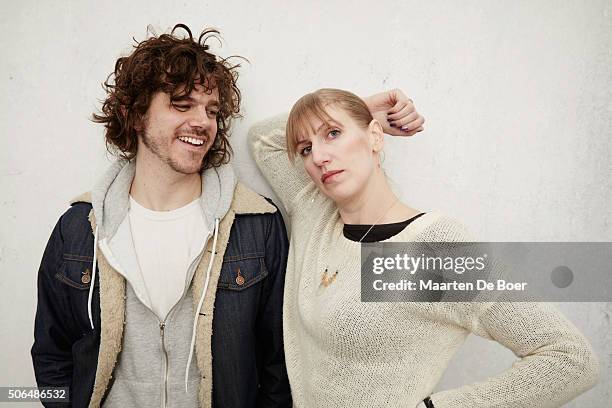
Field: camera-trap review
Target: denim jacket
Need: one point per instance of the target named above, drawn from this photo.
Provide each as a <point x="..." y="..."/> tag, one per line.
<point x="239" y="347"/>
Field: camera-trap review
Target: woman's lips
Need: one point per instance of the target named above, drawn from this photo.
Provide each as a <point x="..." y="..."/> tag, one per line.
<point x="327" y="176"/>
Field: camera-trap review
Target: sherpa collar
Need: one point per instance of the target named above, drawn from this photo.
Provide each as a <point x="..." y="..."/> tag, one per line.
<point x="110" y="195"/>
<point x="245" y="201"/>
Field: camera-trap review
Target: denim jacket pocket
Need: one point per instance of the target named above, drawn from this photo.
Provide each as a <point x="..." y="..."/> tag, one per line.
<point x="75" y="277"/>
<point x="242" y="271"/>
<point x="75" y="271"/>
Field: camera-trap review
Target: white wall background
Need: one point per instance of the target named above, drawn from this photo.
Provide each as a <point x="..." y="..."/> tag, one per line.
<point x="517" y="96"/>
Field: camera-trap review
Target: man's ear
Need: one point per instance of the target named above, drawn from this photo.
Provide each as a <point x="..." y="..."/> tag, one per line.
<point x="138" y="123"/>
<point x="376" y="135"/>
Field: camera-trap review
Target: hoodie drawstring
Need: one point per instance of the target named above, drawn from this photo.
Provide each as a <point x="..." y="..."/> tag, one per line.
<point x="93" y="279"/>
<point x="197" y="312"/>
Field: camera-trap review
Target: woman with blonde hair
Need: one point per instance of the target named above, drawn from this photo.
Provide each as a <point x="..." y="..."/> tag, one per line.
<point x="324" y="163"/>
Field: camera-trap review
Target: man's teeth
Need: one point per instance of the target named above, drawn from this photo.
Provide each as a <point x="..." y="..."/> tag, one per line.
<point x="191" y="140"/>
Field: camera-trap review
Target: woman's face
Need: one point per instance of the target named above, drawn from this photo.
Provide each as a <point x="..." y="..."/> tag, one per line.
<point x="340" y="156"/>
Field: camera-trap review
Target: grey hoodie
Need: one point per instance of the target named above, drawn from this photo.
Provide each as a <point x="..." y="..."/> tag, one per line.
<point x="151" y="369"/>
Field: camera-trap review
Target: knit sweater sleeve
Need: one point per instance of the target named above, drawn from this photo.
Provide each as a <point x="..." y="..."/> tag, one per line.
<point x="555" y="361"/>
<point x="268" y="145"/>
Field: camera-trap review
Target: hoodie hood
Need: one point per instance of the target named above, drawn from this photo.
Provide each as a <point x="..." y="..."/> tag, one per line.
<point x="110" y="196"/>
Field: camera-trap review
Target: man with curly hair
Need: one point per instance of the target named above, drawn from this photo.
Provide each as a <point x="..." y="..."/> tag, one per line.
<point x="164" y="285"/>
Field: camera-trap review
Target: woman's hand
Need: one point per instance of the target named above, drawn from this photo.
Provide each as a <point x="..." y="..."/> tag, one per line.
<point x="395" y="112"/>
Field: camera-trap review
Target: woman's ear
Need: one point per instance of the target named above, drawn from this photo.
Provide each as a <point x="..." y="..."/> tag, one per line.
<point x="376" y="135"/>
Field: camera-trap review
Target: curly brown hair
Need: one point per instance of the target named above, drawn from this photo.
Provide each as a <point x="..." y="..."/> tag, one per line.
<point x="173" y="65"/>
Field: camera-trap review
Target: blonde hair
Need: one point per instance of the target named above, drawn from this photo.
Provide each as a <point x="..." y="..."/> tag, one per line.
<point x="314" y="105"/>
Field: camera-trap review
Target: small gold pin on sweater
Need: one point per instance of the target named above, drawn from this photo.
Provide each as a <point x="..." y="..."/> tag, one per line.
<point x="327" y="279"/>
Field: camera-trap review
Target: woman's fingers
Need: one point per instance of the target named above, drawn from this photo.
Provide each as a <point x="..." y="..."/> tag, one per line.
<point x="399" y="132"/>
<point x="409" y="122"/>
<point x="404" y="120"/>
<point x="398" y="106"/>
<point x="415" y="124"/>
<point x="405" y="111"/>
<point x="413" y="132"/>
<point x="403" y="115"/>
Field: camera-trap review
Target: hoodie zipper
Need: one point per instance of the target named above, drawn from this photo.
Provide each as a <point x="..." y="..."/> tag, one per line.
<point x="162" y="327"/>
<point x="162" y="324"/>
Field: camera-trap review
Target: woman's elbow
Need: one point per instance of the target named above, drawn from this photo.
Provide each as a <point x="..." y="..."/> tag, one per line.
<point x="589" y="367"/>
<point x="586" y="365"/>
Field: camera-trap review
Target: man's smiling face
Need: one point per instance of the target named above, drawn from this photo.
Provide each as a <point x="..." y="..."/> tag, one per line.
<point x="180" y="131"/>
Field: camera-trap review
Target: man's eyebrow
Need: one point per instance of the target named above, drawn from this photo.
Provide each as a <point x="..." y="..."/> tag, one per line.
<point x="183" y="98"/>
<point x="191" y="99"/>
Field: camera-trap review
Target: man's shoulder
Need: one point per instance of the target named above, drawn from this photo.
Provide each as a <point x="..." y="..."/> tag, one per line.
<point x="255" y="214"/>
<point x="249" y="202"/>
<point x="76" y="217"/>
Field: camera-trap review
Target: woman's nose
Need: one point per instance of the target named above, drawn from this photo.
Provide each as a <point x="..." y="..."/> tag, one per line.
<point x="320" y="155"/>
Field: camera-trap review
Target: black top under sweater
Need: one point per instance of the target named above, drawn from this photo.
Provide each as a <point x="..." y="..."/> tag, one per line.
<point x="380" y="232"/>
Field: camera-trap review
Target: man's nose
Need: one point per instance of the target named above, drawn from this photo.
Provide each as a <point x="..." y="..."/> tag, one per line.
<point x="199" y="118"/>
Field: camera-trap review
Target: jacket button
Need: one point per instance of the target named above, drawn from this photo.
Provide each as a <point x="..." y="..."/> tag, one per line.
<point x="239" y="278"/>
<point x="86" y="277"/>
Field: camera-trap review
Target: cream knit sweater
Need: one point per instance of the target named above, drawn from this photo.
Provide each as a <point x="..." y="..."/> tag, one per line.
<point x="341" y="352"/>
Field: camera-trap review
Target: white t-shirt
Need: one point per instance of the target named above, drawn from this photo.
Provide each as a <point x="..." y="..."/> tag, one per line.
<point x="166" y="243"/>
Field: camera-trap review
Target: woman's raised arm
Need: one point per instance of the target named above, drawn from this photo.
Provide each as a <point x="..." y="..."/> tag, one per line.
<point x="269" y="147"/>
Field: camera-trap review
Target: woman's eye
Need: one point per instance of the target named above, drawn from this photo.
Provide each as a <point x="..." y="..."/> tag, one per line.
<point x="305" y="151"/>
<point x="213" y="112"/>
<point x="334" y="133"/>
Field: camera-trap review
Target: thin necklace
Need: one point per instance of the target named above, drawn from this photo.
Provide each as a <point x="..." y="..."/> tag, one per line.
<point x="327" y="278"/>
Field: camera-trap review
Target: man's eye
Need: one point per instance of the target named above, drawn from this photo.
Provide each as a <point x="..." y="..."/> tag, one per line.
<point x="181" y="107"/>
<point x="305" y="151"/>
<point x="213" y="112"/>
